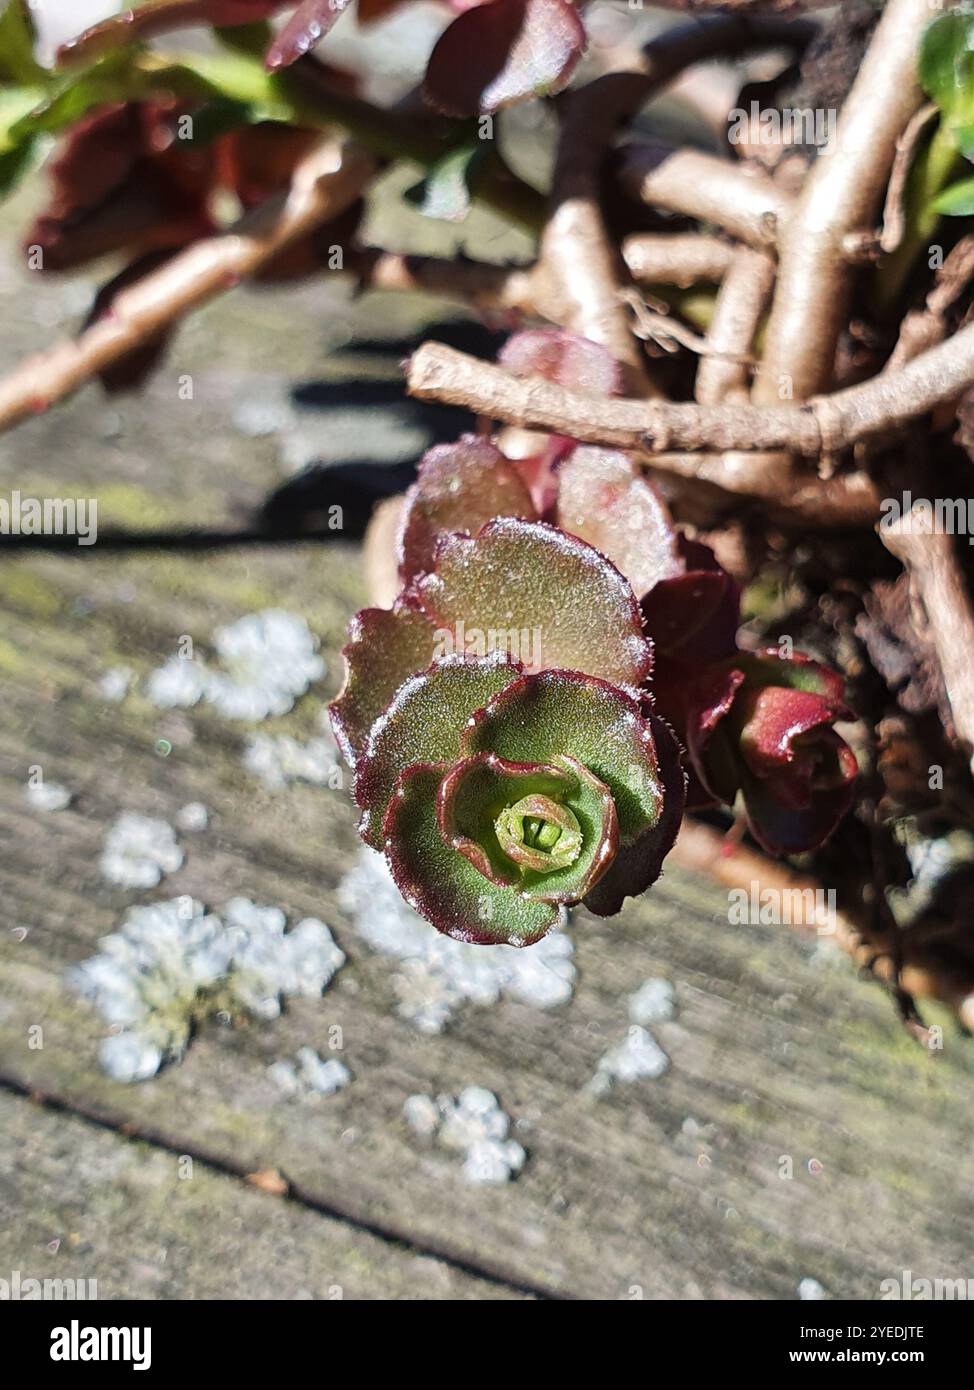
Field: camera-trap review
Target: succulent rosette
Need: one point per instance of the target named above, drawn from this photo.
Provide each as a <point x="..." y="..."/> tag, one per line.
<point x="758" y="725"/>
<point x="511" y="726"/>
<point x="503" y="761"/>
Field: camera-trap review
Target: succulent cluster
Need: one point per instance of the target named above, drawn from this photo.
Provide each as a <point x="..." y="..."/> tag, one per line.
<point x="514" y="750"/>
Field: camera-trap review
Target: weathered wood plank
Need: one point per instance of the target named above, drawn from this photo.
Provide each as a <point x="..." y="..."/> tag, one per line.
<point x="82" y="1203"/>
<point x="771" y="1054"/>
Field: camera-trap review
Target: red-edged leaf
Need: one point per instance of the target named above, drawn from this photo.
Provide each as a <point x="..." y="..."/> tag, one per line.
<point x="309" y="24"/>
<point x="563" y="713"/>
<point x="503" y="52"/>
<point x="797" y="811"/>
<point x="443" y="885"/>
<point x="604" y="499"/>
<point x="576" y="363"/>
<point x="386" y="646"/>
<point x="549" y="598"/>
<point x="478" y="791"/>
<point x="423" y="724"/>
<point x="639" y="864"/>
<point x="459" y="487"/>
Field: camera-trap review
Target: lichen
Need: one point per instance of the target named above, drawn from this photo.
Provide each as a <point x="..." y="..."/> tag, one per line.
<point x="437" y="974"/>
<point x="473" y="1124"/>
<point x="173" y="966"/>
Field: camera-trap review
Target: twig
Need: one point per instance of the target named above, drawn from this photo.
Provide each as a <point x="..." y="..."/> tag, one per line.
<point x="655" y="324"/>
<point x="740" y="200"/>
<point x="841" y="195"/>
<point x="893" y="219"/>
<point x="676" y="258"/>
<point x="325" y="183"/>
<point x="576" y="253"/>
<point x="918" y="973"/>
<point x="824" y="425"/>
<point x="924" y="328"/>
<point x="741" y="300"/>
<point x="936" y="581"/>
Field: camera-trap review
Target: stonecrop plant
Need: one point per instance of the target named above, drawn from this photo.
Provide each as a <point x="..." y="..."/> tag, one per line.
<point x="503" y="717"/>
<point x="689" y="584"/>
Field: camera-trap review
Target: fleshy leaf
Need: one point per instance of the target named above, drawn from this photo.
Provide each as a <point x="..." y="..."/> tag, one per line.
<point x="459" y="487"/>
<point x="423" y="724"/>
<point x="576" y="363"/>
<point x="446" y="192"/>
<point x="694" y="616"/>
<point x="155" y="17"/>
<point x="957" y="200"/>
<point x="443" y="885"/>
<point x="782" y="828"/>
<point x="762" y="726"/>
<point x="503" y="52"/>
<point x="561" y="713"/>
<point x="545" y="596"/>
<point x="386" y="646"/>
<point x="483" y="798"/>
<point x="309" y="24"/>
<point x="17" y="62"/>
<point x="604" y="499"/>
<point x="639" y="863"/>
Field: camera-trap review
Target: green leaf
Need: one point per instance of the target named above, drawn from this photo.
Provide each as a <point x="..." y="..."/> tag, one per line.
<point x="946" y="63"/>
<point x="443" y="885"/>
<point x="563" y="714"/>
<point x="386" y="646"/>
<point x="423" y="725"/>
<point x="957" y="201"/>
<point x="490" y="808"/>
<point x="946" y="71"/>
<point x="14" y="164"/>
<point x="446" y="192"/>
<point x="17" y="61"/>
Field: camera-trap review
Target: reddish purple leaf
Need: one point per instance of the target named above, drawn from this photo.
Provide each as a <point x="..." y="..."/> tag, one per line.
<point x="309" y="24"/>
<point x="460" y="487"/>
<point x="503" y="52"/>
<point x="604" y="499"/>
<point x="576" y="363"/>
<point x="157" y="17"/>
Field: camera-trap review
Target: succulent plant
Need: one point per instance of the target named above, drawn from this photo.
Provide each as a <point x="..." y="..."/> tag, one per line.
<point x="516" y="772"/>
<point x="513" y="745"/>
<point x="755" y="724"/>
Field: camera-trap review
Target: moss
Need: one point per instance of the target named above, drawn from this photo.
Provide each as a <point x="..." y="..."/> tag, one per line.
<point x="23" y="590"/>
<point x="11" y="660"/>
<point x="128" y="506"/>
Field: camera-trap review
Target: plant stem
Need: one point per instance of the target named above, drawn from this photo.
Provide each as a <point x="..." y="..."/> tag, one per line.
<point x="931" y="172"/>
